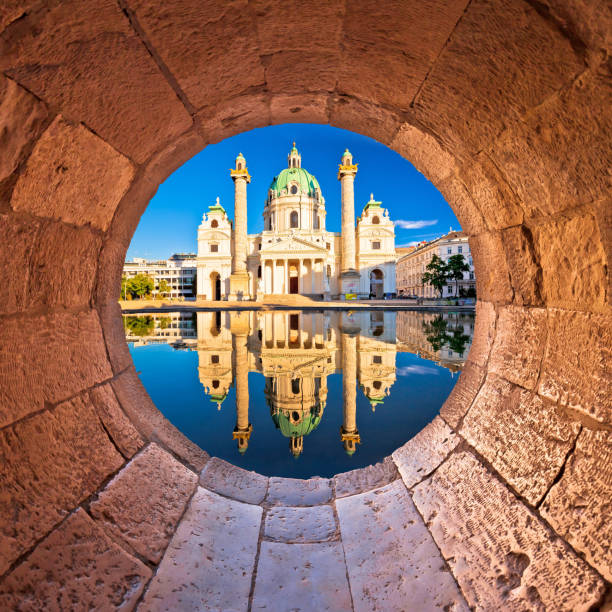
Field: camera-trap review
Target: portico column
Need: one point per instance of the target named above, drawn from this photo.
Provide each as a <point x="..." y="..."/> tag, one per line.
<point x="286" y="273"/>
<point x="239" y="279"/>
<point x="313" y="278"/>
<point x="300" y="268"/>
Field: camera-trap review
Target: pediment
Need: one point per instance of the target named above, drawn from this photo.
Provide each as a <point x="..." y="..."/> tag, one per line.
<point x="292" y="245"/>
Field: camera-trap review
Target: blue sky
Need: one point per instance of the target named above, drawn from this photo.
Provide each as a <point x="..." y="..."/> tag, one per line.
<point x="169" y="224"/>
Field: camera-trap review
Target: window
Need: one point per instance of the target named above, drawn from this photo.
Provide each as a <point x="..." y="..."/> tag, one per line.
<point x="460" y="249"/>
<point x="295" y="386"/>
<point x="214" y="248"/>
<point x="239" y="166"/>
<point x="214" y="359"/>
<point x="449" y="250"/>
<point x="259" y="271"/>
<point x="376" y="245"/>
<point x="294" y="189"/>
<point x="375" y="220"/>
<point x="316" y="223"/>
<point x="293" y="219"/>
<point x="214" y="223"/>
<point x="215" y="384"/>
<point x="471" y="276"/>
<point x="377" y="384"/>
<point x="327" y="246"/>
<point x="377" y="359"/>
<point x="259" y="246"/>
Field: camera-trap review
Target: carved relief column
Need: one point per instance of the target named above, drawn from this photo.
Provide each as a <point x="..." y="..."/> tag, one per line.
<point x="239" y="278"/>
<point x="349" y="435"/>
<point x="349" y="276"/>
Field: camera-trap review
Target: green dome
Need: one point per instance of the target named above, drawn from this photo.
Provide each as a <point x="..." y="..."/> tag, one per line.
<point x="307" y="182"/>
<point x="294" y="430"/>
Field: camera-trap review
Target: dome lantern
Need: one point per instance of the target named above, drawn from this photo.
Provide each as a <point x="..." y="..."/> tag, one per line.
<point x="294" y="158"/>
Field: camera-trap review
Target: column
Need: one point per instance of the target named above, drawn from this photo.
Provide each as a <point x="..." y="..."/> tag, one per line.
<point x="349" y="275"/>
<point x="240" y="329"/>
<point x="286" y="274"/>
<point x="348" y="432"/>
<point x="313" y="279"/>
<point x="239" y="279"/>
<point x="300" y="268"/>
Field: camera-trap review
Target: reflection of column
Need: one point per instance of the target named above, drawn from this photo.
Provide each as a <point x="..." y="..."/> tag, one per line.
<point x="348" y="432"/>
<point x="240" y="330"/>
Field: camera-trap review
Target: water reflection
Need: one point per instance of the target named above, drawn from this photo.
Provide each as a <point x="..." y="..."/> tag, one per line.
<point x="294" y="357"/>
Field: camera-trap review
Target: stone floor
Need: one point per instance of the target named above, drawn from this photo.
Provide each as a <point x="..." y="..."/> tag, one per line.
<point x="430" y="528"/>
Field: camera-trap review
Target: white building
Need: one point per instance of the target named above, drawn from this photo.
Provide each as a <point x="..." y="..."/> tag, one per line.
<point x="411" y="267"/>
<point x="295" y="253"/>
<point x="179" y="272"/>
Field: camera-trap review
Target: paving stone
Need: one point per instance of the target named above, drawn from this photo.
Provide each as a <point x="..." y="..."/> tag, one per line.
<point x="140" y="409"/>
<point x="50" y="462"/>
<point x="424" y="453"/>
<point x="577" y="366"/>
<point x="365" y="479"/>
<point x="524" y="437"/>
<point x="291" y="524"/>
<point x="461" y="397"/>
<point x="298" y="492"/>
<point x="578" y="506"/>
<point x="76" y="567"/>
<point x="74" y="176"/>
<point x="210" y="560"/>
<point x="232" y="481"/>
<point x="501" y="554"/>
<point x="144" y="502"/>
<point x="391" y="557"/>
<point x="301" y="577"/>
<point x="118" y="426"/>
<point x="519" y="345"/>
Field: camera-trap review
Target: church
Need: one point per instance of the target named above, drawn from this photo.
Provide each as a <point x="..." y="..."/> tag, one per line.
<point x="295" y="253"/>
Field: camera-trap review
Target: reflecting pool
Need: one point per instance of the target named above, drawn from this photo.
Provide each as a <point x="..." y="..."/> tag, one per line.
<point x="296" y="393"/>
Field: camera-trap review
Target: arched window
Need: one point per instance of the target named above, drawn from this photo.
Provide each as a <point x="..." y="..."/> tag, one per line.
<point x="293" y="219"/>
<point x="239" y="167"/>
<point x="259" y="272"/>
<point x="377" y="384"/>
<point x="316" y="223"/>
<point x="375" y="220"/>
<point x="295" y="386"/>
<point x="294" y="189"/>
<point x="214" y="223"/>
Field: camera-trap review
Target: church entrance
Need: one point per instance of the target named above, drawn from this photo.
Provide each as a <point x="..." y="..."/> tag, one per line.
<point x="293" y="279"/>
<point x="215" y="285"/>
<point x="376" y="284"/>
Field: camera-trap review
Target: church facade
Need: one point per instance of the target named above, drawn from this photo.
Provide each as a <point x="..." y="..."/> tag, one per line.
<point x="295" y="253"/>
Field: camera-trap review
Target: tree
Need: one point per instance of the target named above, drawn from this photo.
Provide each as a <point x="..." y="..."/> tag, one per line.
<point x="163" y="288"/>
<point x="458" y="340"/>
<point x="141" y="285"/>
<point x="435" y="332"/>
<point x="456" y="266"/>
<point x="436" y="274"/>
<point x="124" y="287"/>
<point x="140" y="326"/>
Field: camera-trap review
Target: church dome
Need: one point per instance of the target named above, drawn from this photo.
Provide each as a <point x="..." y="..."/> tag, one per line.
<point x="306" y="182"/>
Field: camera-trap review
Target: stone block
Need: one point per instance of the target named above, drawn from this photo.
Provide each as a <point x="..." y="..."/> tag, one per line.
<point x="318" y="71"/>
<point x="50" y="463"/>
<point x="501" y="554"/>
<point x="75" y="567"/>
<point x="573" y="122"/>
<point x="48" y="358"/>
<point x="461" y="397"/>
<point x="244" y="113"/>
<point x="425" y="452"/>
<point x="320" y="25"/>
<point x="365" y="479"/>
<point x="204" y="43"/>
<point x="302" y="576"/>
<point x="21" y="234"/>
<point x="399" y="45"/>
<point x="63" y="266"/>
<point x="150" y="422"/>
<point x="578" y="506"/>
<point x="22" y="119"/>
<point x="298" y="492"/>
<point x="74" y="176"/>
<point x="144" y="502"/>
<point x="523" y="264"/>
<point x="87" y="60"/>
<point x="492" y="273"/>
<point x="390" y="556"/>
<point x="299" y="108"/>
<point x="115" y="421"/>
<point x="363" y="117"/>
<point x="525" y="65"/>
<point x="520" y="340"/>
<point x="290" y="524"/>
<point x="231" y="481"/>
<point x="210" y="560"/>
<point x="111" y="319"/>
<point x="573" y="262"/>
<point x="484" y="333"/>
<point x="524" y="437"/>
<point x="577" y="366"/>
<point x="459" y="199"/>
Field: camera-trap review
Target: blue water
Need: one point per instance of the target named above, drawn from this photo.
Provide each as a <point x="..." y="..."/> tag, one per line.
<point x="417" y="388"/>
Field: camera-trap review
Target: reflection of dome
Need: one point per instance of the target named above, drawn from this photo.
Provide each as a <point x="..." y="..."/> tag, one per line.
<point x="290" y="429"/>
<point x="307" y="183"/>
<point x="217" y="398"/>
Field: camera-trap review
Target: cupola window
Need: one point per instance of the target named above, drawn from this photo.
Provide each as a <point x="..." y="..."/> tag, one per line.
<point x="293" y="219"/>
<point x="214" y="223"/>
<point x="294" y="189"/>
<point x="375" y="220"/>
